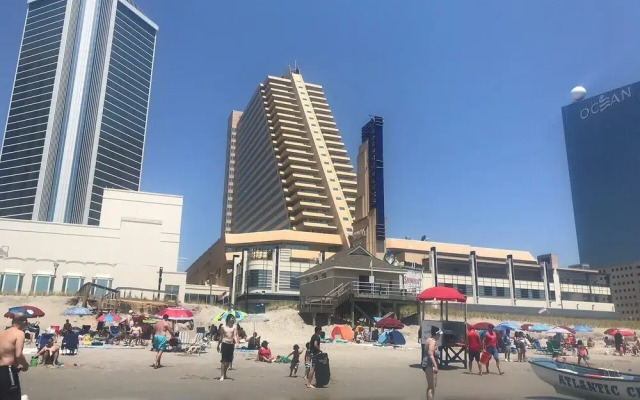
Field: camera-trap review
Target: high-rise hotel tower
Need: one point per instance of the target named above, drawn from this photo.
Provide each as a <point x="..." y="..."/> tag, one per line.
<point x="78" y="114"/>
<point x="291" y="167"/>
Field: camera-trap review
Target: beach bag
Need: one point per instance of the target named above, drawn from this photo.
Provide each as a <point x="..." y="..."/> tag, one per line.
<point x="485" y="358"/>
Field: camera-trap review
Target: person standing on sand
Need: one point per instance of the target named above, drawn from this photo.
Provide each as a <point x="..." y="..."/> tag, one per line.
<point x="431" y="360"/>
<point x="12" y="359"/>
<point x="162" y="334"/>
<point x="490" y="343"/>
<point x="314" y="347"/>
<point x="617" y="338"/>
<point x="506" y="345"/>
<point x="228" y="340"/>
<point x="473" y="345"/>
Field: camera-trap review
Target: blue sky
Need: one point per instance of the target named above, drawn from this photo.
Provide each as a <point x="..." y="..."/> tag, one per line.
<point x="470" y="91"/>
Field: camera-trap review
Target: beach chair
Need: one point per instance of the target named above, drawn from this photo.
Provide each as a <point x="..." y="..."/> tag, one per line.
<point x="539" y="348"/>
<point x="198" y="345"/>
<point x="114" y="334"/>
<point x="554" y="349"/>
<point x="184" y="340"/>
<point x="70" y="344"/>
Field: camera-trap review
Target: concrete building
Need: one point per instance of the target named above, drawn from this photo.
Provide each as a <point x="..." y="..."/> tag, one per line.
<point x="493" y="278"/>
<point x="624" y="281"/>
<point x="78" y="113"/>
<point x="291" y="171"/>
<point x="229" y="175"/>
<point x="369" y="225"/>
<point x="602" y="134"/>
<point x="139" y="233"/>
<point x="267" y="265"/>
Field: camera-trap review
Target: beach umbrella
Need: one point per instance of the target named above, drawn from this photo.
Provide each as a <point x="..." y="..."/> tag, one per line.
<point x="482" y="326"/>
<point x="26" y="311"/>
<point x="558" y="329"/>
<point x="255" y="318"/>
<point x="623" y="332"/>
<point x="389" y="323"/>
<point x="108" y="318"/>
<point x="538" y="328"/>
<point x="149" y="321"/>
<point x="175" y="313"/>
<point x="77" y="311"/>
<point x="525" y="327"/>
<point x="442" y="293"/>
<point x="239" y="316"/>
<point x="582" y="328"/>
<point x="571" y="330"/>
<point x="507" y="325"/>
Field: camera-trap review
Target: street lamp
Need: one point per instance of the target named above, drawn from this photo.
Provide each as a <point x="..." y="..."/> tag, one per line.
<point x="55" y="274"/>
<point x="211" y="287"/>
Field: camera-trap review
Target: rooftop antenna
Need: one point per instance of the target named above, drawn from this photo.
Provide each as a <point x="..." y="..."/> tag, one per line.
<point x="296" y="70"/>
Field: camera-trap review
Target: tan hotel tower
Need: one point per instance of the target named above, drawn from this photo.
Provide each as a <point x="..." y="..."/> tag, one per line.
<point x="292" y="171"/>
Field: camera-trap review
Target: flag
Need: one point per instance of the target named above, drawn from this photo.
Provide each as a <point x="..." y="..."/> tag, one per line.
<point x="543" y="310"/>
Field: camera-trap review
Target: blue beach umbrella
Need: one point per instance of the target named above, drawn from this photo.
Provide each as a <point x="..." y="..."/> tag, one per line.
<point x="582" y="328"/>
<point x="507" y="325"/>
<point x="538" y="328"/>
<point x="77" y="311"/>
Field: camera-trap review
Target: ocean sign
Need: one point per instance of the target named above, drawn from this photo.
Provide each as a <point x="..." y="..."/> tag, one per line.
<point x="606" y="101"/>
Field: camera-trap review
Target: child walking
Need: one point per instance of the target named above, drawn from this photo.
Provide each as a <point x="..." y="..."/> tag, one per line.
<point x="295" y="360"/>
<point x="583" y="353"/>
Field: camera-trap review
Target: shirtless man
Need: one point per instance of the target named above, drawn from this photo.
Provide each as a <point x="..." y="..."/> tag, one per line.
<point x="227" y="343"/>
<point x="136" y="334"/>
<point x="162" y="334"/>
<point x="12" y="359"/>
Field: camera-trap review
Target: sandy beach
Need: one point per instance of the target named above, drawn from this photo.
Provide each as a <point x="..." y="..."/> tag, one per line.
<point x="359" y="371"/>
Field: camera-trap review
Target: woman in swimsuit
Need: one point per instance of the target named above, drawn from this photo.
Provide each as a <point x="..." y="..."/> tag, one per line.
<point x="430" y="361"/>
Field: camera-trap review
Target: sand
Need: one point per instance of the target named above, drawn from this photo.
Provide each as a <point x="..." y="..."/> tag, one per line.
<point x="358" y="371"/>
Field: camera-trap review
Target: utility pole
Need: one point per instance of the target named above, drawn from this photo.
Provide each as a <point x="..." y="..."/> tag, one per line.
<point x="159" y="281"/>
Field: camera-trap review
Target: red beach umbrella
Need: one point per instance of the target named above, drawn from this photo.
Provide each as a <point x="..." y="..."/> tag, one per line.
<point x="31" y="312"/>
<point x="389" y="323"/>
<point x="442" y="293"/>
<point x="623" y="332"/>
<point x="482" y="326"/>
<point x="175" y="313"/>
<point x="525" y="327"/>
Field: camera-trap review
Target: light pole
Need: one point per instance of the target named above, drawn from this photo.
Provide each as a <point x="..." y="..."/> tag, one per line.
<point x="159" y="281"/>
<point x="210" y="288"/>
<point x="55" y="274"/>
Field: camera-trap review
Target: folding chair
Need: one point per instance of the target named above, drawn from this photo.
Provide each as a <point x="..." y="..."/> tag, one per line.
<point x="198" y="345"/>
<point x="184" y="340"/>
<point x="70" y="344"/>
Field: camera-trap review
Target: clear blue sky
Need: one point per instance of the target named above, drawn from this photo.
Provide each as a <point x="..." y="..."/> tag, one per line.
<point x="470" y="91"/>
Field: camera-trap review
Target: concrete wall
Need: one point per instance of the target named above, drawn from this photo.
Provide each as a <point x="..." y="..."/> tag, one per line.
<point x="138" y="234"/>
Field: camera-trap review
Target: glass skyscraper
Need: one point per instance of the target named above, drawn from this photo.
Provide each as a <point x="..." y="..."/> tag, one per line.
<point x="78" y="113"/>
<point x="602" y="135"/>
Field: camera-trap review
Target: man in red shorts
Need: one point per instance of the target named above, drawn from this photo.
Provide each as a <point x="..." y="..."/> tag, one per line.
<point x="473" y="348"/>
<point x="491" y="347"/>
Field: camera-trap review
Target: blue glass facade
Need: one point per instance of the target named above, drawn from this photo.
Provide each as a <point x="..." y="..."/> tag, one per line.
<point x="372" y="132"/>
<point x="78" y="113"/>
<point x="602" y="137"/>
<point x="26" y="129"/>
<point x="126" y="103"/>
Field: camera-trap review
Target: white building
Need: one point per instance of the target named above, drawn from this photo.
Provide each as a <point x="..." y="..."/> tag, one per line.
<point x="139" y="233"/>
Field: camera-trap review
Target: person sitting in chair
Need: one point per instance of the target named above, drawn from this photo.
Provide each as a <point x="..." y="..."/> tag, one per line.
<point x="66" y="328"/>
<point x="50" y="352"/>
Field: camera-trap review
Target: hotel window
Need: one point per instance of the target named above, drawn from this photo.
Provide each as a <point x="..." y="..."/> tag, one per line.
<point x="40" y="284"/>
<point x="500" y="292"/>
<point x="71" y="284"/>
<point x="487" y="290"/>
<point x="173" y="292"/>
<point x="10" y="283"/>
<point x="99" y="292"/>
